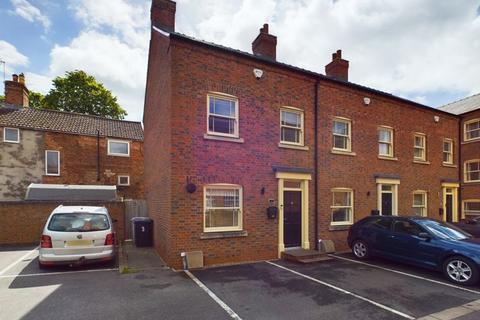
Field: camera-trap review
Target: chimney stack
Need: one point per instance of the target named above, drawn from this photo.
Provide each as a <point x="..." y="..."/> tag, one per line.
<point x="265" y="44"/>
<point x="338" y="68"/>
<point x="162" y="14"/>
<point x="16" y="92"/>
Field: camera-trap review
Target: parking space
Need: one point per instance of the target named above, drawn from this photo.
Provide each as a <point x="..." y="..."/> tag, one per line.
<point x="341" y="288"/>
<point x="338" y="289"/>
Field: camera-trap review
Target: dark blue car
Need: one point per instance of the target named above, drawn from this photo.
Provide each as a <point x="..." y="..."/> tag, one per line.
<point x="418" y="241"/>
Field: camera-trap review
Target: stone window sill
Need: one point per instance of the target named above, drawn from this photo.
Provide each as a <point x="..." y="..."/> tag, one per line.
<point x="222" y="235"/>
<point x="387" y="158"/>
<point x="339" y="227"/>
<point x="471" y="141"/>
<point x="222" y="138"/>
<point x="450" y="165"/>
<point x="291" y="146"/>
<point x="471" y="182"/>
<point x="343" y="153"/>
<point x="421" y="161"/>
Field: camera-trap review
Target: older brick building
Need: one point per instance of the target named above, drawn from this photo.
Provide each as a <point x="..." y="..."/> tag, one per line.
<point x="468" y="110"/>
<point x="229" y="134"/>
<point x="53" y="147"/>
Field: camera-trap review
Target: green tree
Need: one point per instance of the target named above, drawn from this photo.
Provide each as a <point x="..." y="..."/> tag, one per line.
<point x="80" y="92"/>
<point x="36" y="100"/>
<point x="2" y="98"/>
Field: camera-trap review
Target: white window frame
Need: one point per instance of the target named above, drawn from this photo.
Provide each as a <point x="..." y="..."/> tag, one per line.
<point x="46" y="163"/>
<point x="450" y="153"/>
<point x="424" y="206"/>
<point x="5" y="136"/>
<point x="236" y="125"/>
<point x="390" y="143"/>
<point x="240" y="208"/>
<point x="302" y="127"/>
<point x="464" y="210"/>
<point x="423" y="147"/>
<point x="118" y="154"/>
<point x="123" y="184"/>
<point x="333" y="207"/>
<point x="465" y="132"/>
<point x="348" y="122"/>
<point x="466" y="172"/>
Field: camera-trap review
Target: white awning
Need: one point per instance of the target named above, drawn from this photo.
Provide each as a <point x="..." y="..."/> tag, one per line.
<point x="39" y="191"/>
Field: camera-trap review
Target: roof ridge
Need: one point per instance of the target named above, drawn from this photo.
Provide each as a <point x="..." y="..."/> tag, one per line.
<point x="68" y="112"/>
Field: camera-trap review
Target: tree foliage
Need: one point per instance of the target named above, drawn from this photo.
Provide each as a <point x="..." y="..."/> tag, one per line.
<point x="79" y="92"/>
<point x="36" y="100"/>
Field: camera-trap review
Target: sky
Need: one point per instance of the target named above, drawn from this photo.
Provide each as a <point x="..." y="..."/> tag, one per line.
<point x="423" y="50"/>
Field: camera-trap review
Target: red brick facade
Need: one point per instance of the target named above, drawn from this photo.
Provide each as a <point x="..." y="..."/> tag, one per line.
<point x="79" y="163"/>
<point x="179" y="152"/>
<point x="470" y="150"/>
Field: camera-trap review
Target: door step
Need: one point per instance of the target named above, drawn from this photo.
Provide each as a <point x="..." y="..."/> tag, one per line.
<point x="304" y="256"/>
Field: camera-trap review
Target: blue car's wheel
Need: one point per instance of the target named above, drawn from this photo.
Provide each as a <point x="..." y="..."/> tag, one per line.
<point x="360" y="249"/>
<point x="461" y="270"/>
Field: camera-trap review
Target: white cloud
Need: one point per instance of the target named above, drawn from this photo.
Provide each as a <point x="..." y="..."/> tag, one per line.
<point x="11" y="56"/>
<point x="405" y="47"/>
<point x="27" y="11"/>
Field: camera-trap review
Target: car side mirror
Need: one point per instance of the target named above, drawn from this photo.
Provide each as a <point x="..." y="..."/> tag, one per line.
<point x="424" y="235"/>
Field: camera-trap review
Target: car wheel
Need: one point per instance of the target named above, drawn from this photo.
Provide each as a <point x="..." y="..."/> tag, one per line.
<point x="360" y="249"/>
<point x="461" y="270"/>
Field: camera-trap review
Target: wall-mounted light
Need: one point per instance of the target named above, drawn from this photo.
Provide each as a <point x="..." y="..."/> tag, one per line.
<point x="366" y="101"/>
<point x="436" y="118"/>
<point x="258" y="73"/>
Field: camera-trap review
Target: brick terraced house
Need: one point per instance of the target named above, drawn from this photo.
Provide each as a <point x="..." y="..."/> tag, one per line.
<point x="468" y="110"/>
<point x="53" y="147"/>
<point x="247" y="157"/>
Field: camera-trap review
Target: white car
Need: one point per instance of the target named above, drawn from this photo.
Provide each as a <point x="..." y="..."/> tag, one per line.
<point x="75" y="235"/>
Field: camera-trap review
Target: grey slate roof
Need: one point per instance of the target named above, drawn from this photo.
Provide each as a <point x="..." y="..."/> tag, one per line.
<point x="464" y="105"/>
<point x="67" y="122"/>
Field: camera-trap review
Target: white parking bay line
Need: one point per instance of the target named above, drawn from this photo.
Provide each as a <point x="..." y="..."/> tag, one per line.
<point x="213" y="296"/>
<point x="56" y="273"/>
<point x="11" y="265"/>
<point x="406" y="274"/>
<point x="404" y="315"/>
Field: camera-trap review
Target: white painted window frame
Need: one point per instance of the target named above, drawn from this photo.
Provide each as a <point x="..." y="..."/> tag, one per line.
<point x="394" y="184"/>
<point x="236" y="125"/>
<point x="5" y="136"/>
<point x="390" y="143"/>
<point x="118" y="154"/>
<point x="123" y="184"/>
<point x="466" y="132"/>
<point x="240" y="208"/>
<point x="348" y="136"/>
<point x="46" y="163"/>
<point x="450" y="153"/>
<point x="351" y="207"/>
<point x="299" y="112"/>
<point x="424" y="205"/>
<point x="467" y="172"/>
<point x="422" y="147"/>
<point x="464" y="207"/>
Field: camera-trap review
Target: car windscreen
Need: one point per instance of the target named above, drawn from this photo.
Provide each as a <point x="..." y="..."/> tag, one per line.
<point x="444" y="230"/>
<point x="78" y="222"/>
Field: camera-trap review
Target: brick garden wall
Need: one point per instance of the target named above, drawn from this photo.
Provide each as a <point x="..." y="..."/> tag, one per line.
<point x="22" y="222"/>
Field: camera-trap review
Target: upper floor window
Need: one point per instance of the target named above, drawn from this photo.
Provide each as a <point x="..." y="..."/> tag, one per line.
<point x="291" y="126"/>
<point x="420" y="203"/>
<point x="342" y="206"/>
<point x="118" y="148"/>
<point x="472" y="129"/>
<point x="222" y="115"/>
<point x="11" y="135"/>
<point x="342" y="135"/>
<point x="472" y="171"/>
<point x="471" y="209"/>
<point x="385" y="142"/>
<point x="223" y="207"/>
<point x="52" y="163"/>
<point x="419" y="147"/>
<point x="448" y="151"/>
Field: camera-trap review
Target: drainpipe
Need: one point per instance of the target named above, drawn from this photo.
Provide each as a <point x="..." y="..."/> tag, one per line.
<point x="315" y="155"/>
<point x="98" y="155"/>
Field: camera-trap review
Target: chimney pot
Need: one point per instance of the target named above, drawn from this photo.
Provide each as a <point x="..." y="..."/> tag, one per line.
<point x="338" y="67"/>
<point x="265" y="44"/>
<point x="15" y="77"/>
<point x="162" y="14"/>
<point x="21" y="78"/>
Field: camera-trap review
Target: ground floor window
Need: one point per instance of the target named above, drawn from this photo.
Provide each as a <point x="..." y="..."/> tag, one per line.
<point x="471" y="209"/>
<point x="223" y="207"/>
<point x="342" y="206"/>
<point x="419" y="206"/>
